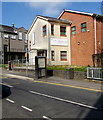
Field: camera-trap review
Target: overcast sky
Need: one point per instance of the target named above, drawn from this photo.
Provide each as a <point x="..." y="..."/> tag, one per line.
<point x="23" y="13"/>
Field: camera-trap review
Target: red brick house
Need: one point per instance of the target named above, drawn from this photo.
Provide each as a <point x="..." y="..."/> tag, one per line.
<point x="86" y="35"/>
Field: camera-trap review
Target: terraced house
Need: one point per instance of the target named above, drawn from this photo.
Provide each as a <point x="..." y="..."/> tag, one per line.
<point x="50" y="37"/>
<point x="13" y="43"/>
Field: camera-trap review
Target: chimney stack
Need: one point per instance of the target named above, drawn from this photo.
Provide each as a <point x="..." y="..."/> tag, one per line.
<point x="13" y="25"/>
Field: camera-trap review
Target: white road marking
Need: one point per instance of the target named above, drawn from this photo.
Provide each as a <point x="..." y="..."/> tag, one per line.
<point x="47" y="118"/>
<point x="63" y="100"/>
<point x="6" y="84"/>
<point x="10" y="100"/>
<point x="26" y="108"/>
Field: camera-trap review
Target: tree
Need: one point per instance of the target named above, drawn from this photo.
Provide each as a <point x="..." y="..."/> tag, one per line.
<point x="98" y="59"/>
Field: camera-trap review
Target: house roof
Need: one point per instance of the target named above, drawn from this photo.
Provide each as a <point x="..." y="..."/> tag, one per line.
<point x="79" y="12"/>
<point x="54" y="19"/>
<point x="8" y="29"/>
<point x="50" y="19"/>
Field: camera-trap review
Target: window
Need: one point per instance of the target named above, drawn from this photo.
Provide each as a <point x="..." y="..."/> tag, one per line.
<point x="33" y="38"/>
<point x="6" y="36"/>
<point x="44" y="30"/>
<point x="63" y="55"/>
<point x="13" y="36"/>
<point x="52" y="29"/>
<point x="52" y="56"/>
<point x="15" y="31"/>
<point x="73" y="30"/>
<point x="25" y="36"/>
<point x="83" y="27"/>
<point x="20" y="35"/>
<point x="63" y="30"/>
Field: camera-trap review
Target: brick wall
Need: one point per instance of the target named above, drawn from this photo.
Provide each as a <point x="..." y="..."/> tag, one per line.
<point x="81" y="54"/>
<point x="99" y="33"/>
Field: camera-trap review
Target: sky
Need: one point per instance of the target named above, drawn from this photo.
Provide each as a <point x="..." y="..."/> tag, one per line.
<point x="22" y="14"/>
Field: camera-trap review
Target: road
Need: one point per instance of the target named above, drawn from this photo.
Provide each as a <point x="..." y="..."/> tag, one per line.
<point x="30" y="99"/>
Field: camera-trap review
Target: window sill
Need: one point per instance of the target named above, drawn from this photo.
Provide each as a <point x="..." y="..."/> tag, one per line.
<point x="44" y="35"/>
<point x="83" y="32"/>
<point x="52" y="60"/>
<point x="13" y="39"/>
<point x="73" y="34"/>
<point x="63" y="35"/>
<point x="20" y="39"/>
<point x="64" y="60"/>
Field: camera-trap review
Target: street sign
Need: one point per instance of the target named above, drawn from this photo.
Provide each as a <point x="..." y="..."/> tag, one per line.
<point x="26" y="55"/>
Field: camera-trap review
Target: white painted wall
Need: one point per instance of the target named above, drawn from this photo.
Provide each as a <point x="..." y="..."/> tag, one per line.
<point x="44" y="42"/>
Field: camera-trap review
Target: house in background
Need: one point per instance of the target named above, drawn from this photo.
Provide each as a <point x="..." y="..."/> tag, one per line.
<point x="12" y="45"/>
<point x="50" y="37"/>
<point x="86" y="35"/>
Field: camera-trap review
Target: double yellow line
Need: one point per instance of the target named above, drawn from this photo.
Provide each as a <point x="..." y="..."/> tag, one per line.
<point x="84" y="88"/>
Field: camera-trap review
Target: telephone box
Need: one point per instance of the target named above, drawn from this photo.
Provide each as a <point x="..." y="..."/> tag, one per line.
<point x="40" y="67"/>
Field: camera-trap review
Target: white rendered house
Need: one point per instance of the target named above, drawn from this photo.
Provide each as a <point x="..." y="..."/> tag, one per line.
<point x="50" y="37"/>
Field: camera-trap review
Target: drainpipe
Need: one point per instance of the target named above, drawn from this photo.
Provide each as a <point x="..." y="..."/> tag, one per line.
<point x="95" y="40"/>
<point x="70" y="59"/>
<point x="49" y="62"/>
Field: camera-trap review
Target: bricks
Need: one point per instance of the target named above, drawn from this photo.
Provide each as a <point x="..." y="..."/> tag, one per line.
<point x="83" y="43"/>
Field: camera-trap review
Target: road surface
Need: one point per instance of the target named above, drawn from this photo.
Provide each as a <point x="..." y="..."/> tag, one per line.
<point x="30" y="99"/>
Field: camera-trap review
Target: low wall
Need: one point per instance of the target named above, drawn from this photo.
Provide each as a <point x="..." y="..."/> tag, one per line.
<point x="58" y="73"/>
<point x="70" y="74"/>
<point x="80" y="75"/>
<point x="31" y="72"/>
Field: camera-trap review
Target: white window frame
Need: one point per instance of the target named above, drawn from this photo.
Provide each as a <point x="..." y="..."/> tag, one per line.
<point x="33" y="38"/>
<point x="25" y="36"/>
<point x="6" y="36"/>
<point x="63" y="55"/>
<point x="13" y="36"/>
<point x="20" y="35"/>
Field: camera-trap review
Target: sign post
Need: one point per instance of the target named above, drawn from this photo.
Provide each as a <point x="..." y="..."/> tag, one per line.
<point x="26" y="54"/>
<point x="40" y="67"/>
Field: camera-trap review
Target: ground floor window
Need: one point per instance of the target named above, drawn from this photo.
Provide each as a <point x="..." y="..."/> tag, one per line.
<point x="63" y="55"/>
<point x="41" y="53"/>
<point x="52" y="56"/>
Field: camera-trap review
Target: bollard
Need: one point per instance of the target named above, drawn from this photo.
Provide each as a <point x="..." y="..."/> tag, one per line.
<point x="9" y="65"/>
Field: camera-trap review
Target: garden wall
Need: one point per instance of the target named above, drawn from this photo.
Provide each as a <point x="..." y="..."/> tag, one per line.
<point x="69" y="74"/>
<point x="59" y="73"/>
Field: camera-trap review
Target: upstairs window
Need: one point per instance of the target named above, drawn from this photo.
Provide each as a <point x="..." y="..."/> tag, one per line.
<point x="33" y="38"/>
<point x="73" y="30"/>
<point x="52" y="56"/>
<point x="83" y="27"/>
<point x="25" y="36"/>
<point x="52" y="29"/>
<point x="63" y="55"/>
<point x="6" y="36"/>
<point x="63" y="30"/>
<point x="20" y="35"/>
<point x="13" y="36"/>
<point x="44" y="30"/>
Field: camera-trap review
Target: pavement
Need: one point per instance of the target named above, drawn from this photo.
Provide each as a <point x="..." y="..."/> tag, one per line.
<point x="93" y="85"/>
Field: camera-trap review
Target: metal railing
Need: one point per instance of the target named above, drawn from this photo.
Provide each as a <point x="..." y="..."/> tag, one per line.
<point x="95" y="73"/>
<point x="23" y="62"/>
